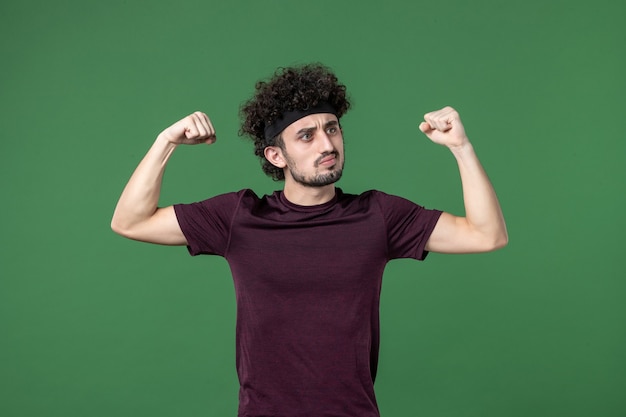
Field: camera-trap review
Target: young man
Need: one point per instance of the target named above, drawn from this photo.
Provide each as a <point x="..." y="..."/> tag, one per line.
<point x="308" y="261"/>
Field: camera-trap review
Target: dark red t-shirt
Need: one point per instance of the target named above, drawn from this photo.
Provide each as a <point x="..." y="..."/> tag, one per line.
<point x="307" y="282"/>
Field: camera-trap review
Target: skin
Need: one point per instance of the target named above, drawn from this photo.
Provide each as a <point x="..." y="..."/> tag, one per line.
<point x="313" y="151"/>
<point x="137" y="215"/>
<point x="313" y="148"/>
<point x="483" y="228"/>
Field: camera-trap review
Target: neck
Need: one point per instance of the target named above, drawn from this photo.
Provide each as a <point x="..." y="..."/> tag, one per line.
<point x="303" y="195"/>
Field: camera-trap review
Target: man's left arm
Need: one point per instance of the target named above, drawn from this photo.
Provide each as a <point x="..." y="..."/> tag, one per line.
<point x="483" y="228"/>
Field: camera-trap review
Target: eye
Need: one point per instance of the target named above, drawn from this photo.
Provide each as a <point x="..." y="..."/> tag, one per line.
<point x="332" y="130"/>
<point x="306" y="136"/>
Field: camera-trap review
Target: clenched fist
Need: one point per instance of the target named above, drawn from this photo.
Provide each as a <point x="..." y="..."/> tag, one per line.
<point x="444" y="127"/>
<point x="192" y="130"/>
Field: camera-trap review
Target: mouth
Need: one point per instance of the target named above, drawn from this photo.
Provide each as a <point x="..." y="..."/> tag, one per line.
<point x="327" y="161"/>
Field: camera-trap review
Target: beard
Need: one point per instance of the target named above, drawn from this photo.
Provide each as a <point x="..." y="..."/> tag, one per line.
<point x="317" y="180"/>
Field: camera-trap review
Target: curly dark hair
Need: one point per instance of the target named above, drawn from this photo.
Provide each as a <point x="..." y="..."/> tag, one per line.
<point x="293" y="88"/>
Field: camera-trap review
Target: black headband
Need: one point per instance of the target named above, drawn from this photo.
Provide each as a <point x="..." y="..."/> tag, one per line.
<point x="287" y="118"/>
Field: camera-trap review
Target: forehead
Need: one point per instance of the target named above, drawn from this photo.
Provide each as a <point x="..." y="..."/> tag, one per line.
<point x="310" y="121"/>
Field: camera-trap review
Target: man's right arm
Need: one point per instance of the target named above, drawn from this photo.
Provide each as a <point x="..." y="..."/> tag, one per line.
<point x="137" y="215"/>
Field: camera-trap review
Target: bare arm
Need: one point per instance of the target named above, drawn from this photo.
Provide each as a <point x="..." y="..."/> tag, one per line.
<point x="137" y="215"/>
<point x="483" y="228"/>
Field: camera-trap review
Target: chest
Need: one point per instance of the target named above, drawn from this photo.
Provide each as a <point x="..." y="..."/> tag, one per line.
<point x="322" y="255"/>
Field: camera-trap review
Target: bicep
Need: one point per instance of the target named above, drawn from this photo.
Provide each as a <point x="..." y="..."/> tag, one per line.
<point x="454" y="234"/>
<point x="161" y="228"/>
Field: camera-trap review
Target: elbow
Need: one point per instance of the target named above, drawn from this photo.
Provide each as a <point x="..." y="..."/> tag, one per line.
<point x="500" y="241"/>
<point x="119" y="228"/>
<point x="490" y="242"/>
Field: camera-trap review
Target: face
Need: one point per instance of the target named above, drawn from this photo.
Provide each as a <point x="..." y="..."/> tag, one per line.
<point x="312" y="150"/>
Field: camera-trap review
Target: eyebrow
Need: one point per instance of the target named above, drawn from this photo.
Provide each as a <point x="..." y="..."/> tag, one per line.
<point x="311" y="129"/>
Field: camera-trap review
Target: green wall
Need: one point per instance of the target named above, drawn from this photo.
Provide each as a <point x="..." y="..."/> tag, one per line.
<point x="95" y="325"/>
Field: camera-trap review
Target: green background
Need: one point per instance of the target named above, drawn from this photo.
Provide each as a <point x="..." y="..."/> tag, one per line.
<point x="95" y="325"/>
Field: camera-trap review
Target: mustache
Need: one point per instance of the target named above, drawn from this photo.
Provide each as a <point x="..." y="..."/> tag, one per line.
<point x="326" y="154"/>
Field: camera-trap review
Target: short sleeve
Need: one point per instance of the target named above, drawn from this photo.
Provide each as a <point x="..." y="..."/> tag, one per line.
<point x="409" y="226"/>
<point x="206" y="224"/>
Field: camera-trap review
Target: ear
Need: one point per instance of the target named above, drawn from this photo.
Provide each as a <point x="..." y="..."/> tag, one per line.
<point x="275" y="156"/>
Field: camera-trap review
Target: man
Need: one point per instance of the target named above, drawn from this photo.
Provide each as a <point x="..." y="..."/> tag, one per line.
<point x="308" y="261"/>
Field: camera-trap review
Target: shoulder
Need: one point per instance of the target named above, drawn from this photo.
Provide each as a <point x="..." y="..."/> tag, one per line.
<point x="380" y="198"/>
<point x="377" y="203"/>
<point x="395" y="209"/>
<point x="233" y="197"/>
<point x="223" y="205"/>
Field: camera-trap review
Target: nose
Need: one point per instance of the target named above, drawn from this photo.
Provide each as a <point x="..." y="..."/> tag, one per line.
<point x="325" y="144"/>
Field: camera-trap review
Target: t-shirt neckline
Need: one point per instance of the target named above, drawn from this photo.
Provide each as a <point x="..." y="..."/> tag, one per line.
<point x="318" y="207"/>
